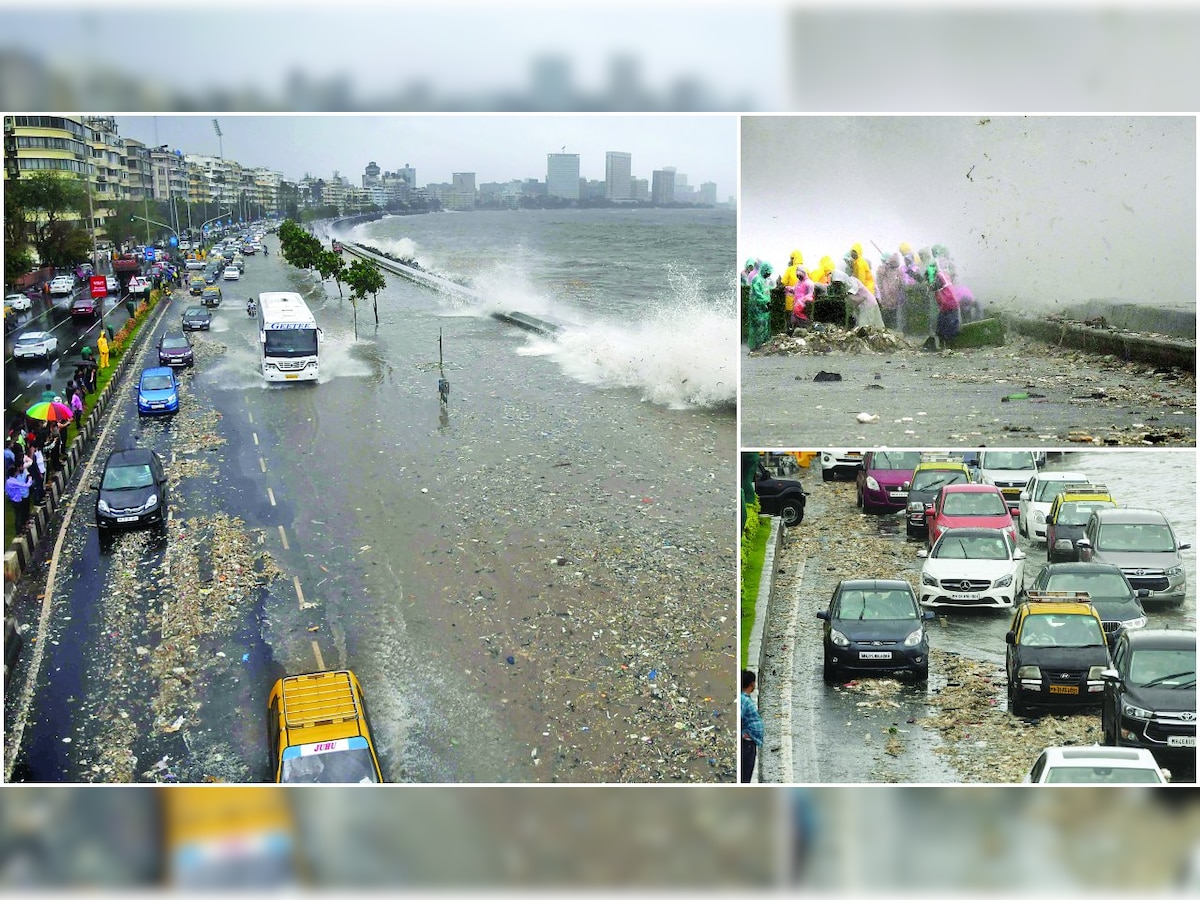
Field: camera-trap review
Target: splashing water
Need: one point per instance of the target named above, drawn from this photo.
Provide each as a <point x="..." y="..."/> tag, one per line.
<point x="682" y="354"/>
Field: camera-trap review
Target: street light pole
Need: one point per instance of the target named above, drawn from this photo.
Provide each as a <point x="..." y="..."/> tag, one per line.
<point x="92" y="228"/>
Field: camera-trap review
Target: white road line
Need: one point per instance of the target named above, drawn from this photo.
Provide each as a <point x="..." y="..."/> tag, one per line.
<point x="254" y="434"/>
<point x="299" y="591"/>
<point x="271" y="496"/>
<point x="317" y="653"/>
<point x="262" y="464"/>
<point x="283" y="537"/>
<point x="250" y="416"/>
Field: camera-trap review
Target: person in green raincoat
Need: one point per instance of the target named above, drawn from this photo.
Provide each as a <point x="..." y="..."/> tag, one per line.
<point x="760" y="307"/>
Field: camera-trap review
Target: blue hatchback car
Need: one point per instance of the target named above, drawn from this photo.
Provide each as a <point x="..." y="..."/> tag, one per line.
<point x="158" y="392"/>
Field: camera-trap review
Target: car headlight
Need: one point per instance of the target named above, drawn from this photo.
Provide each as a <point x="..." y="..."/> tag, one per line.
<point x="1135" y="712"/>
<point x="914" y="639"/>
<point x="839" y="639"/>
<point x="1139" y="622"/>
<point x="1003" y="582"/>
<point x="103" y="507"/>
<point x="1039" y="518"/>
<point x="916" y="506"/>
<point x="1174" y="571"/>
<point x="152" y="502"/>
<point x="1031" y="673"/>
<point x="928" y="579"/>
<point x="872" y="484"/>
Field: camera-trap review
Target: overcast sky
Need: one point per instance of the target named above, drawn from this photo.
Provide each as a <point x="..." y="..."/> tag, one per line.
<point x="494" y="147"/>
<point x="1033" y="209"/>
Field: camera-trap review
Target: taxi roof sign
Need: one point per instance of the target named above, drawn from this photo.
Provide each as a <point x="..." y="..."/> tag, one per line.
<point x="1058" y="597"/>
<point x="1084" y="488"/>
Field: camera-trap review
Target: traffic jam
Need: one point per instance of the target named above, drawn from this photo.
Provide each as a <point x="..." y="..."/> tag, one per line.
<point x="982" y="616"/>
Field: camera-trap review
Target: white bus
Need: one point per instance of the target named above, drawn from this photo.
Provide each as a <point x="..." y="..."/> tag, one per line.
<point x="289" y="337"/>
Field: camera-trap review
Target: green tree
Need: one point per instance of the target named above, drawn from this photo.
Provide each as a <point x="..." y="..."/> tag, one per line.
<point x="364" y="277"/>
<point x="41" y="209"/>
<point x="331" y="265"/>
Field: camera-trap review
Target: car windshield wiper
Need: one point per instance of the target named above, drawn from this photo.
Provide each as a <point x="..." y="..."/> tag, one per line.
<point x="1157" y="681"/>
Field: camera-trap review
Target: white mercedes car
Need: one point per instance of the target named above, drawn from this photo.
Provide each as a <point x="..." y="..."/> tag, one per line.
<point x="980" y="567"/>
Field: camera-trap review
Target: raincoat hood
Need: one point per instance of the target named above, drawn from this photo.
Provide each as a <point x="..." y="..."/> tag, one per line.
<point x="857" y="248"/>
<point x="893" y="261"/>
<point x="765" y="270"/>
<point x="797" y="258"/>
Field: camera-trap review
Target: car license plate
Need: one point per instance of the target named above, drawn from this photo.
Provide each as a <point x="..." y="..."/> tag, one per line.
<point x="964" y="596"/>
<point x="875" y="654"/>
<point x="1064" y="689"/>
<point x="291" y="376"/>
<point x="897" y="495"/>
<point x="1181" y="740"/>
<point x="127" y="518"/>
<point x="853" y="454"/>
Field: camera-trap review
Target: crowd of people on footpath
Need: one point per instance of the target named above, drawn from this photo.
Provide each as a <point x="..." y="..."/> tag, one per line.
<point x="878" y="297"/>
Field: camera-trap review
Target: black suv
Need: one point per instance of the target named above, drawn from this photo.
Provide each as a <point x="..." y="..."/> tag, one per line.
<point x="783" y="497"/>
<point x="1110" y="592"/>
<point x="133" y="490"/>
<point x="1150" y="695"/>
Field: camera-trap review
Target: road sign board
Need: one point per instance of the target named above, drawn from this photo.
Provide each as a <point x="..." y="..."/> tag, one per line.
<point x="99" y="285"/>
<point x="150" y="254"/>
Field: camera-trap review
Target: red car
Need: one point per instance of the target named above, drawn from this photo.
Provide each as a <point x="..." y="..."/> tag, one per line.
<point x="83" y="305"/>
<point x="968" y="506"/>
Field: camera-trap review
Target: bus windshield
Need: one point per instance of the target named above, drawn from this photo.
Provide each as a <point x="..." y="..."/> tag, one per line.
<point x="291" y="342"/>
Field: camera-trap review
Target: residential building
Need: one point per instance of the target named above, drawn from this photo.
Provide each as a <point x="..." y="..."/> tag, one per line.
<point x="462" y="192"/>
<point x="708" y="193"/>
<point x="662" y="187"/>
<point x="562" y="175"/>
<point x="639" y="190"/>
<point x="618" y="177"/>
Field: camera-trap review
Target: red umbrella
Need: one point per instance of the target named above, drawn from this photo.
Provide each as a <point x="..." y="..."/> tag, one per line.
<point x="50" y="411"/>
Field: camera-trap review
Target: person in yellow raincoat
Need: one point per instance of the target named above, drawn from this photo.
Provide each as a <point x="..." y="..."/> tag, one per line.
<point x="102" y="346"/>
<point x="789" y="280"/>
<point x="823" y="271"/>
<point x="860" y="268"/>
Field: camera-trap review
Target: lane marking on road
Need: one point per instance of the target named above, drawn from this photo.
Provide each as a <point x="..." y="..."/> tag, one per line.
<point x="254" y="434"/>
<point x="250" y="416"/>
<point x="317" y="653"/>
<point x="271" y="496"/>
<point x="283" y="537"/>
<point x="262" y="464"/>
<point x="15" y="736"/>
<point x="299" y="590"/>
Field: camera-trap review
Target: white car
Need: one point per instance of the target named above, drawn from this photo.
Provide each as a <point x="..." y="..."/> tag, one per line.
<point x="193" y="264"/>
<point x="111" y="284"/>
<point x="232" y="273"/>
<point x="1096" y="765"/>
<point x="18" y="302"/>
<point x="62" y="286"/>
<point x="139" y="285"/>
<point x="1037" y="497"/>
<point x="979" y="567"/>
<point x="1009" y="470"/>
<point x="35" y="343"/>
<point x="845" y="463"/>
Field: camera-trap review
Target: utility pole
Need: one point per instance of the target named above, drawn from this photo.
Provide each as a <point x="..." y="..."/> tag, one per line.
<point x="92" y="227"/>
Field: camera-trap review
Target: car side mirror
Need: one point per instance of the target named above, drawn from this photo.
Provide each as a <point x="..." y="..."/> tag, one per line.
<point x="907" y="486"/>
<point x="95" y="486"/>
<point x="1185" y="546"/>
<point x="1010" y="637"/>
<point x="1018" y="554"/>
<point x="928" y="615"/>
<point x="1025" y="495"/>
<point x="923" y="553"/>
<point x="823" y="614"/>
<point x="1110" y="675"/>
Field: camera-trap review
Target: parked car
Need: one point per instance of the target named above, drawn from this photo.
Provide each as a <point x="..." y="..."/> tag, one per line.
<point x="35" y="343"/>
<point x="980" y="567"/>
<point x="872" y="626"/>
<point x="83" y="305"/>
<point x="1095" y="765"/>
<point x="1056" y="654"/>
<point x="1109" y="591"/>
<point x="318" y="731"/>
<point x="1150" y="695"/>
<point x="967" y="506"/>
<point x="231" y="273"/>
<point x="929" y="477"/>
<point x="139" y="286"/>
<point x="18" y="302"/>
<point x="62" y="286"/>
<point x="1068" y="517"/>
<point x="840" y="463"/>
<point x="174" y="349"/>
<point x="881" y="485"/>
<point x="132" y="491"/>
<point x="158" y="392"/>
<point x="783" y="497"/>
<point x="196" y="318"/>
<point x="1143" y="544"/>
<point x="1036" y="498"/>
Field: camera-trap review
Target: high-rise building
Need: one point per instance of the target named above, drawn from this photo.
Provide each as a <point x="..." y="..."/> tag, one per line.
<point x="662" y="186"/>
<point x="462" y="191"/>
<point x="639" y="190"/>
<point x="562" y="175"/>
<point x="708" y="193"/>
<point x="371" y="175"/>
<point x="618" y="169"/>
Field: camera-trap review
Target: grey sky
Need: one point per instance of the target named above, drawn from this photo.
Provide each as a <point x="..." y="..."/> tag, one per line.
<point x="1034" y="210"/>
<point x="494" y="147"/>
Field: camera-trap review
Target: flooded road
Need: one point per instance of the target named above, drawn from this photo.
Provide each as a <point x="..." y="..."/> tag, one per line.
<point x="535" y="584"/>
<point x="954" y="399"/>
<point x="892" y="730"/>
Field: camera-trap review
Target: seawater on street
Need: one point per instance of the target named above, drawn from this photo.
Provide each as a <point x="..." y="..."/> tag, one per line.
<point x="958" y="728"/>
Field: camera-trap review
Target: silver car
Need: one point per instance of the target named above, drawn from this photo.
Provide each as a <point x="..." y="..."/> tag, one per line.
<point x="1142" y="544"/>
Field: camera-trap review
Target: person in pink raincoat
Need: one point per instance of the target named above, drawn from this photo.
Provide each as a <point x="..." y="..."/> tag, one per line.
<point x="802" y="294"/>
<point x="889" y="279"/>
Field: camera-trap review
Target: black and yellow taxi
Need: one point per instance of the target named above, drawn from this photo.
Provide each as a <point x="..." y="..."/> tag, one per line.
<point x="1057" y="653"/>
<point x="1068" y="517"/>
<point x="931" y="474"/>
<point x="318" y="730"/>
<point x="196" y="285"/>
<point x="210" y="296"/>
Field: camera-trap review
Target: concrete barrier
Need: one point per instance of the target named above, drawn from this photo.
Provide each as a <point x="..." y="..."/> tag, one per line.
<point x="1176" y="354"/>
<point x="762" y="606"/>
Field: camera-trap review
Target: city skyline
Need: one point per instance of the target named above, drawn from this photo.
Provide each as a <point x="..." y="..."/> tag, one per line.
<point x="497" y="148"/>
